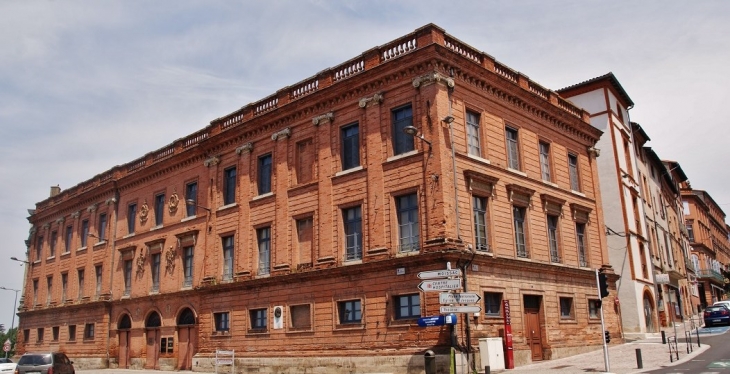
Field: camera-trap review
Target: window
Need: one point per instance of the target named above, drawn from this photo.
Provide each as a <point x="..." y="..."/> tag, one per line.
<point x="580" y="230"/>
<point x="545" y="161"/>
<point x="26" y="335"/>
<point x="258" y="319"/>
<point x="573" y="171"/>
<point x="685" y="208"/>
<point x="101" y="233"/>
<point x="552" y="223"/>
<point x="228" y="257"/>
<point x="131" y="217"/>
<point x="402" y="142"/>
<point x="643" y="262"/>
<point x="155" y="265"/>
<point x="594" y="309"/>
<point x="89" y="331"/>
<point x="72" y="333"/>
<point x="167" y="344"/>
<point x="407" y="306"/>
<point x="407" y="207"/>
<point x="159" y="209"/>
<point x="69" y="237"/>
<point x="229" y="186"/>
<point x="350" y="146"/>
<point x="513" y="151"/>
<point x="492" y="304"/>
<point x="481" y="239"/>
<point x="566" y="308"/>
<point x="353" y="233"/>
<point x="191" y="193"/>
<point x="222" y="321"/>
<point x="84" y="232"/>
<point x="264" y="240"/>
<point x="40" y="333"/>
<point x="64" y="286"/>
<point x="627" y="154"/>
<point x="690" y="231"/>
<point x="55" y="332"/>
<point x="49" y="289"/>
<point x="265" y="162"/>
<point x="35" y="291"/>
<point x="127" y="277"/>
<point x="518" y="214"/>
<point x="39" y="248"/>
<point x="350" y="311"/>
<point x="81" y="283"/>
<point x="54" y="240"/>
<point x="473" y="134"/>
<point x="301" y="316"/>
<point x="98" y="270"/>
<point x="306" y="159"/>
<point x="188" y="266"/>
<point x="304" y="238"/>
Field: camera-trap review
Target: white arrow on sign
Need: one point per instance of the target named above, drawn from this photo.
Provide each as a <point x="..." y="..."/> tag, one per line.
<point x="433" y="274"/>
<point x="461" y="309"/>
<point x="459" y="298"/>
<point x="440" y="285"/>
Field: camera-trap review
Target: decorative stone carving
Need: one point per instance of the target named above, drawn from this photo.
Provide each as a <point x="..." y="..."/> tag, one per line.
<point x="432" y="78"/>
<point x="248" y="147"/>
<point x="173" y="203"/>
<point x="211" y="161"/>
<point x="75" y="214"/>
<point x="329" y="116"/>
<point x="170" y="258"/>
<point x="140" y="261"/>
<point x="283" y="134"/>
<point x="144" y="212"/>
<point x="111" y="200"/>
<point x="60" y="220"/>
<point x="595" y="152"/>
<point x="46" y="226"/>
<point x="376" y="99"/>
<point x="91" y="208"/>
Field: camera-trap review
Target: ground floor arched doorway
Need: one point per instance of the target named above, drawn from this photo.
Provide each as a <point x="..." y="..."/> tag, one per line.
<point x="649" y="319"/>
<point x="187" y="333"/>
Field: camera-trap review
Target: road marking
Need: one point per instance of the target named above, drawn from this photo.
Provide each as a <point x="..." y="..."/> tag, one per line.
<point x="719" y="364"/>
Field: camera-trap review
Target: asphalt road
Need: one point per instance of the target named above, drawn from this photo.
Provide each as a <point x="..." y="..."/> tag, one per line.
<point x="715" y="360"/>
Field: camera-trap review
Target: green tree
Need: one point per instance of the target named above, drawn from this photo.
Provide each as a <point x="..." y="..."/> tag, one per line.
<point x="11" y="334"/>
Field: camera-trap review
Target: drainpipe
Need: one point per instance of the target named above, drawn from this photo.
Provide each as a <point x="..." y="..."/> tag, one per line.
<point x="113" y="238"/>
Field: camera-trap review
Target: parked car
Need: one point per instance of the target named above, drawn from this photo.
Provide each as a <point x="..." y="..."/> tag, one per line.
<point x="725" y="303"/>
<point x="44" y="363"/>
<point x="716" y="315"/>
<point x="6" y="365"/>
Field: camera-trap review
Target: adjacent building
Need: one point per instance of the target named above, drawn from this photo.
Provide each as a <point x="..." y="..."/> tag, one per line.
<point x="293" y="230"/>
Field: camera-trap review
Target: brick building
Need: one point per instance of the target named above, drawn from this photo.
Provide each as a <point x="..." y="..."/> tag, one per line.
<point x="293" y="230"/>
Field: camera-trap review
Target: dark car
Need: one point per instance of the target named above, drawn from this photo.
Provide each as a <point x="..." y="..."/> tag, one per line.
<point x="716" y="315"/>
<point x="44" y="363"/>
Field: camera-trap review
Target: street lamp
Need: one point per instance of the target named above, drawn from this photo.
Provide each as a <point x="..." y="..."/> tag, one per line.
<point x="194" y="203"/>
<point x="15" y="303"/>
<point x="412" y="131"/>
<point x="16" y="259"/>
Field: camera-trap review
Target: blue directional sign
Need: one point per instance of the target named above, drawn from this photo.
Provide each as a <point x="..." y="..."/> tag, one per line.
<point x="448" y="319"/>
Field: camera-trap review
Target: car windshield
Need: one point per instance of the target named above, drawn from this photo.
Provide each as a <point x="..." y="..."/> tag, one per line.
<point x="5" y="360"/>
<point x="35" y="360"/>
<point x="716" y="308"/>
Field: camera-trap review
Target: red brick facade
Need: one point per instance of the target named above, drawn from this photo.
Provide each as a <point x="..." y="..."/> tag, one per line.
<point x="199" y="275"/>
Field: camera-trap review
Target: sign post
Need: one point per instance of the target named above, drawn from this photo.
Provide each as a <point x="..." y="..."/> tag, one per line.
<point x="509" y="354"/>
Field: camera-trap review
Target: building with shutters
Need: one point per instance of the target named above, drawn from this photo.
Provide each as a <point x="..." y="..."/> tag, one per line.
<point x="293" y="230"/>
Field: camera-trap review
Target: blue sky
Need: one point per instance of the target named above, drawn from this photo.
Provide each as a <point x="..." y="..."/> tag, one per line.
<point x="87" y="85"/>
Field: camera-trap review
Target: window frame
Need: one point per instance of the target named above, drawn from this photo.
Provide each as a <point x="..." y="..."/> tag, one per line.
<point x="264" y="250"/>
<point x="574" y="172"/>
<point x="553" y="236"/>
<point x="493" y="299"/>
<point x="408" y="205"/>
<point x="398" y="307"/>
<point x="544" y="149"/>
<point x="72" y="333"/>
<point x="569" y="303"/>
<point x="84" y="232"/>
<point x="81" y="277"/>
<point x="191" y="193"/>
<point x="512" y="148"/>
<point x="581" y="244"/>
<point x="131" y="218"/>
<point x="265" y="173"/>
<point x="155" y="265"/>
<point x="222" y="322"/>
<point x="52" y="243"/>
<point x="519" y="222"/>
<point x="594" y="305"/>
<point x="228" y="246"/>
<point x="229" y="185"/>
<point x="292" y="313"/>
<point x="101" y="227"/>
<point x="480" y="216"/>
<point x="343" y="315"/>
<point x="89" y="332"/>
<point x="188" y="258"/>
<point x="352" y="227"/>
<point x="473" y="133"/>
<point x="69" y="239"/>
<point x="350" y="149"/>
<point x="259" y="319"/>
<point x="159" y="209"/>
<point x="127" y="277"/>
<point x="402" y="142"/>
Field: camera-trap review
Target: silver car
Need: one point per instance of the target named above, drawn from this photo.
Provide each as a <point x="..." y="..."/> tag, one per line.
<point x="44" y="363"/>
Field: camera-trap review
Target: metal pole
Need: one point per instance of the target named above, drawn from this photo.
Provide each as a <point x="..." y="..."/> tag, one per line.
<point x="639" y="361"/>
<point x="603" y="327"/>
<point x="15" y="303"/>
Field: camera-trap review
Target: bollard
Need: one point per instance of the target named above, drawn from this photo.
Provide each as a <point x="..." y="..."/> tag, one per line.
<point x="698" y="336"/>
<point x="664" y="337"/>
<point x="639" y="361"/>
<point x="429" y="359"/>
<point x="487" y="370"/>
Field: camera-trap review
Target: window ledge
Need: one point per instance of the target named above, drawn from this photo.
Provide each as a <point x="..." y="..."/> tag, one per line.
<point x="349" y="326"/>
<point x="549" y="183"/>
<point x="49" y="258"/>
<point x="128" y="236"/>
<point x="189" y="218"/>
<point x="156" y="227"/>
<point x="518" y="172"/>
<point x="349" y="171"/>
<point x="479" y="159"/>
<point x="262" y="196"/>
<point x="402" y="155"/>
<point x="352" y="262"/>
<point x="224" y="207"/>
<point x="406" y="254"/>
<point x="581" y="194"/>
<point x="99" y="244"/>
<point x="81" y="249"/>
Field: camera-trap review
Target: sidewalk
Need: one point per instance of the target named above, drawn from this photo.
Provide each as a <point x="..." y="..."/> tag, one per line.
<point x="622" y="358"/>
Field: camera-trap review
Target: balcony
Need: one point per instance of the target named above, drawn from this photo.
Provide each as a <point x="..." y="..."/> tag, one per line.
<point x="711" y="275"/>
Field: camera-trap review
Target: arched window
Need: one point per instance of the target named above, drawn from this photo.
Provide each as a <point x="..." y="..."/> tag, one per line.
<point x="186" y="317"/>
<point x="153" y="320"/>
<point x="125" y="323"/>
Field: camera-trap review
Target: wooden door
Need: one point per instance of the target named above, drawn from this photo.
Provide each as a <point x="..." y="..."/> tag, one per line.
<point x="186" y="348"/>
<point x="534" y="335"/>
<point x="153" y="349"/>
<point x="123" y="358"/>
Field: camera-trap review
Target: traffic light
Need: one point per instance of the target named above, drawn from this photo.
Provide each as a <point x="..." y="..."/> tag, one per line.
<point x="603" y="284"/>
<point x="607" y="336"/>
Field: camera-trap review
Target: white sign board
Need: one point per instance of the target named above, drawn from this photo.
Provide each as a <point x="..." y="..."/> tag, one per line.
<point x="440" y="285"/>
<point x="458" y="298"/>
<point x="461" y="309"/>
<point x="434" y="274"/>
<point x="661" y="278"/>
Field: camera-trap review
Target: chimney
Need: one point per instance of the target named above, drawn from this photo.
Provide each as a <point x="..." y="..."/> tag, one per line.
<point x="55" y="190"/>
